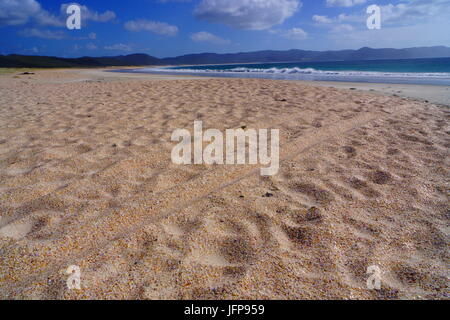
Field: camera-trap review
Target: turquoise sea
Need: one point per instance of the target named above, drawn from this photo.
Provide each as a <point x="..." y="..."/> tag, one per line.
<point x="415" y="71"/>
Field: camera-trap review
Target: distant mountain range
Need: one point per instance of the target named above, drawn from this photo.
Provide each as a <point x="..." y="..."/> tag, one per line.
<point x="21" y="61"/>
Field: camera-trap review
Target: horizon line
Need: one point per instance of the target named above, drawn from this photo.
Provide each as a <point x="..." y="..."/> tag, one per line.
<point x="229" y="53"/>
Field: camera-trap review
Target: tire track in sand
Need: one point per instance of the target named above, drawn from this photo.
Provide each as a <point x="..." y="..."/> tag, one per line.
<point x="179" y="198"/>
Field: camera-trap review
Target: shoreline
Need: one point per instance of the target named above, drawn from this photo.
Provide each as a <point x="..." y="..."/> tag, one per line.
<point x="438" y="94"/>
<point x="424" y="92"/>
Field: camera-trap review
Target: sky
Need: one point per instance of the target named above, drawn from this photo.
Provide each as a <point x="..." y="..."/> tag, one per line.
<point x="167" y="28"/>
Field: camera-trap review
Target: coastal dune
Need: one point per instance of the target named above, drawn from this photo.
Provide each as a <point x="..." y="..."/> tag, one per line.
<point x="86" y="180"/>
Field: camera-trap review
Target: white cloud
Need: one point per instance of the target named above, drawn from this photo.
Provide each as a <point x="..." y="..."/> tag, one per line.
<point x="204" y="36"/>
<point x="342" y="18"/>
<point x="247" y="14"/>
<point x="396" y="19"/>
<point x="408" y="13"/>
<point x="344" y="3"/>
<point x="393" y="37"/>
<point x="295" y="34"/>
<point x="43" y="34"/>
<point x="415" y="11"/>
<point x="15" y="12"/>
<point x="160" y="28"/>
<point x="18" y="12"/>
<point x="90" y="15"/>
<point x="91" y="46"/>
<point x="342" y="28"/>
<point x="322" y="19"/>
<point x="43" y="18"/>
<point x="352" y="18"/>
<point x="118" y="47"/>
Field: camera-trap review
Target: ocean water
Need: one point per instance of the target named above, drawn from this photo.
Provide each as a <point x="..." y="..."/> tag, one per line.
<point x="413" y="71"/>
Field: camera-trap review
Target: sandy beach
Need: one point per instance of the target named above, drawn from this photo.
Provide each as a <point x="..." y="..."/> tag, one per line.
<point x="86" y="180"/>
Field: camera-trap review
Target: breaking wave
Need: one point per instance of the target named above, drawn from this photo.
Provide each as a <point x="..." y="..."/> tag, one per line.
<point x="304" y="71"/>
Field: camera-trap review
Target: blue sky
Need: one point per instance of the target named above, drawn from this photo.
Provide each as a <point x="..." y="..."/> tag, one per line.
<point x="165" y="28"/>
